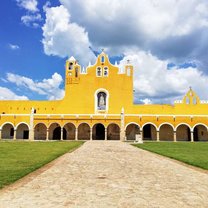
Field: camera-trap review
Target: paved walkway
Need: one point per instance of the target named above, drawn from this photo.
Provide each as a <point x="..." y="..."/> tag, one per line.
<point x="110" y="174"/>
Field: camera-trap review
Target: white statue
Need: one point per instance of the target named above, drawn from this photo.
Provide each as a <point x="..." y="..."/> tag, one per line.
<point x="101" y="103"/>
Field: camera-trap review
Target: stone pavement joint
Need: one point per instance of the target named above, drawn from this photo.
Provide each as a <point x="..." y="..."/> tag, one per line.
<point x="110" y="174"/>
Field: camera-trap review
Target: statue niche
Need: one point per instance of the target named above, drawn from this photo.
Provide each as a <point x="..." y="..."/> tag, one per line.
<point x="101" y="101"/>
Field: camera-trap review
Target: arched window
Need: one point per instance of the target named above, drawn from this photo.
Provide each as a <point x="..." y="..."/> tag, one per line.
<point x="101" y="101"/>
<point x="102" y="59"/>
<point x="99" y="72"/>
<point x="105" y="72"/>
<point x="70" y="66"/>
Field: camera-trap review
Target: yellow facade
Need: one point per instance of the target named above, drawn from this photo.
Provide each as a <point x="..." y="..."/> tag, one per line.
<point x="98" y="104"/>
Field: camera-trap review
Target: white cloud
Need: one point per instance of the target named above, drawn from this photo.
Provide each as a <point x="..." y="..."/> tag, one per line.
<point x="31" y="20"/>
<point x="30" y="5"/>
<point x="13" y="46"/>
<point x="154" y="18"/>
<point x="49" y="87"/>
<point x="7" y="94"/>
<point x="152" y="79"/>
<point x="64" y="38"/>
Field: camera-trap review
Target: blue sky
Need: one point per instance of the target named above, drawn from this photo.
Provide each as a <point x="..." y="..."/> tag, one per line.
<point x="166" y="42"/>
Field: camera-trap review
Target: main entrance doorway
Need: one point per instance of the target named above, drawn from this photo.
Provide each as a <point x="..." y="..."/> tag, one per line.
<point x="98" y="132"/>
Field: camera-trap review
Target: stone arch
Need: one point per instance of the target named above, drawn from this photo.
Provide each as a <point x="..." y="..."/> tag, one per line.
<point x="54" y="131"/>
<point x="7" y="131"/>
<point x="149" y="131"/>
<point x="98" y="131"/>
<point x="166" y="132"/>
<point x="131" y="130"/>
<point x="22" y="131"/>
<point x="40" y="131"/>
<point x="200" y="132"/>
<point x="113" y="132"/>
<point x="70" y="129"/>
<point x="84" y="131"/>
<point x="183" y="132"/>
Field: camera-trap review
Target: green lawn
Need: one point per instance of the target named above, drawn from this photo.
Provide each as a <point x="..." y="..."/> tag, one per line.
<point x="17" y="159"/>
<point x="195" y="153"/>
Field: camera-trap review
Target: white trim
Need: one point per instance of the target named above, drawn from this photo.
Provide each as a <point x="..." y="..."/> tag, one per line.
<point x="151" y="124"/>
<point x="52" y="124"/>
<point x="113" y="123"/>
<point x="106" y="114"/>
<point x="5" y="124"/>
<point x="95" y="101"/>
<point x="99" y="123"/>
<point x="183" y="124"/>
<point x="167" y="115"/>
<point x="40" y="123"/>
<point x="22" y="123"/>
<point x="166" y="124"/>
<point x="201" y="125"/>
<point x="104" y="71"/>
<point x="132" y="123"/>
<point x="69" y="123"/>
<point x="84" y="123"/>
<point x="101" y="71"/>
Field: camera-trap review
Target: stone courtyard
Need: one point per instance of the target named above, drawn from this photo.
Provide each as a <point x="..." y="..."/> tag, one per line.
<point x="109" y="174"/>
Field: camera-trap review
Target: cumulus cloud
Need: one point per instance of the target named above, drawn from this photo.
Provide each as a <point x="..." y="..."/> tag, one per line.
<point x="63" y="38"/>
<point x="30" y="5"/>
<point x="155" y="18"/>
<point x="7" y="94"/>
<point x="49" y="87"/>
<point x="170" y="29"/>
<point x="13" y="46"/>
<point x="154" y="82"/>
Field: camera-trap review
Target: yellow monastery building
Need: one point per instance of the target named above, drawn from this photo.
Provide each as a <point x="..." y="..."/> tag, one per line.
<point x="98" y="104"/>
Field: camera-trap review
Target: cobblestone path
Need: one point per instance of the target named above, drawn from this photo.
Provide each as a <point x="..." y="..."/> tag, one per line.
<point x="110" y="174"/>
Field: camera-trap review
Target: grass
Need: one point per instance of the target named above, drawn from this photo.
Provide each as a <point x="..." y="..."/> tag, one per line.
<point x="17" y="159"/>
<point x="195" y="153"/>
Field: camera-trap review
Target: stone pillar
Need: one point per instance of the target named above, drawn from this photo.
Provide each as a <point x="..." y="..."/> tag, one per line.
<point x="62" y="130"/>
<point x="47" y="134"/>
<point x="125" y="138"/>
<point x="76" y="134"/>
<point x="192" y="136"/>
<point x="31" y="130"/>
<point x="174" y="136"/>
<point x="15" y="134"/>
<point x="106" y="134"/>
<point x="158" y="136"/>
<point x="0" y="134"/>
<point x="31" y="134"/>
<point x="141" y="132"/>
<point x="122" y="130"/>
<point x="90" y="133"/>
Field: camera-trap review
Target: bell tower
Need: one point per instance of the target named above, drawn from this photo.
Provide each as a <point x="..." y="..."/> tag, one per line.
<point x="72" y="71"/>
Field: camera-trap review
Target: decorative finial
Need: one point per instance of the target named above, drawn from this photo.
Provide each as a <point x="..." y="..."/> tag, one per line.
<point x="190" y="88"/>
<point x="102" y="49"/>
<point x="128" y="61"/>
